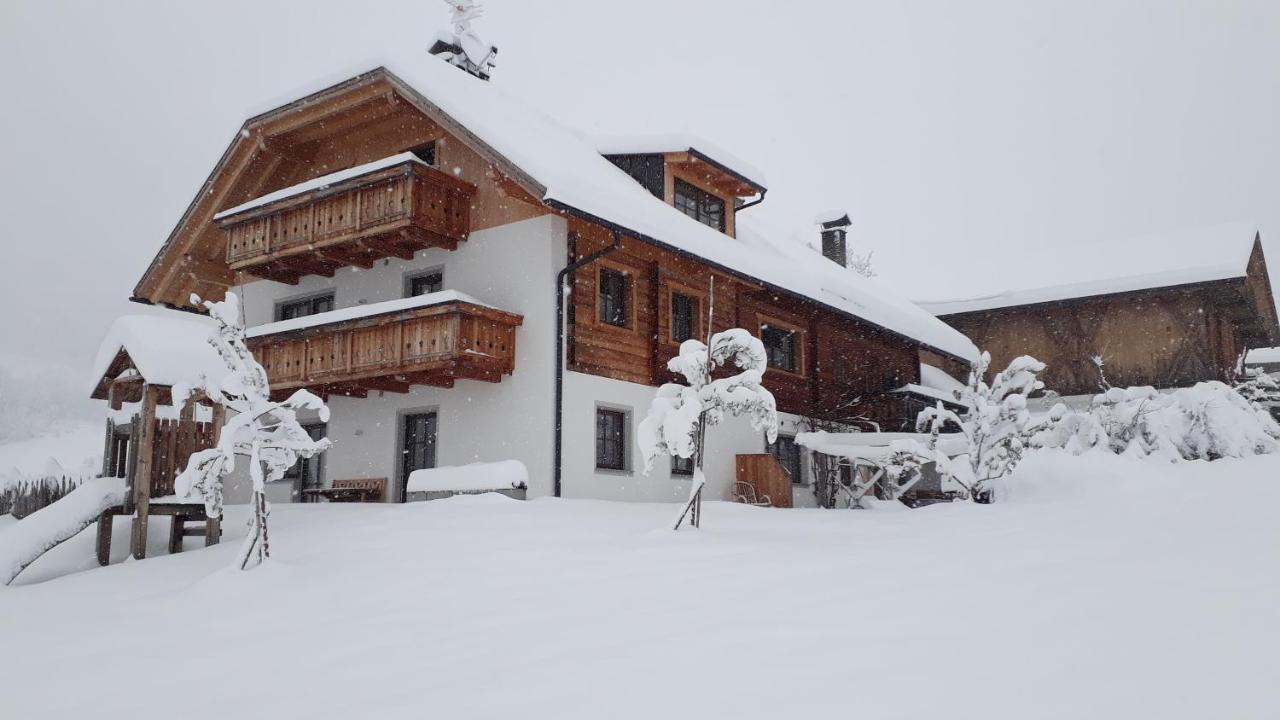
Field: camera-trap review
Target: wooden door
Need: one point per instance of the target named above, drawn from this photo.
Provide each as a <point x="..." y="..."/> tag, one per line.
<point x="419" y="450"/>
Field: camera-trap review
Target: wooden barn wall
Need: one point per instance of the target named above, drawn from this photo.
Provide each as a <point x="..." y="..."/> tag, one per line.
<point x="1160" y="339"/>
<point x="840" y="359"/>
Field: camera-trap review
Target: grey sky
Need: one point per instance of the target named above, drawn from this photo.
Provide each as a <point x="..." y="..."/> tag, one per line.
<point x="966" y="137"/>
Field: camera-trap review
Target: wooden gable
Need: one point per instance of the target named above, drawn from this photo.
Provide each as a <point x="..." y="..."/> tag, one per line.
<point x="362" y="120"/>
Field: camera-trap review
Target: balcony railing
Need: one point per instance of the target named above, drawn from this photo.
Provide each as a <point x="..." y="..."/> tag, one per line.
<point x="394" y="209"/>
<point x="390" y="351"/>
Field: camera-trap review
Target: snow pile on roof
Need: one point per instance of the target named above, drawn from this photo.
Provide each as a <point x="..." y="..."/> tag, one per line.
<point x="168" y="349"/>
<point x="877" y="446"/>
<point x="576" y="176"/>
<point x="363" y="311"/>
<point x="678" y="142"/>
<point x="320" y="183"/>
<point x="1263" y="355"/>
<point x="1197" y="255"/>
<point x="477" y="477"/>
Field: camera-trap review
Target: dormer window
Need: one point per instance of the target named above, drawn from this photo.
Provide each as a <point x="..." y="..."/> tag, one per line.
<point x="700" y="205"/>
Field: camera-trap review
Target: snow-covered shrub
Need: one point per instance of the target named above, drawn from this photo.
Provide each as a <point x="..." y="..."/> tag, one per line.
<point x="996" y="426"/>
<point x="267" y="432"/>
<point x="1208" y="421"/>
<point x="680" y="414"/>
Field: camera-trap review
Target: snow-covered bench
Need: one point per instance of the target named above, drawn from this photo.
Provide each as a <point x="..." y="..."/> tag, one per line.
<point x="509" y="477"/>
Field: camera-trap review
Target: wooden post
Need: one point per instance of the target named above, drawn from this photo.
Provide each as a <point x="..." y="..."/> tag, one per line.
<point x="177" y="525"/>
<point x="105" y="521"/>
<point x="142" y="475"/>
<point x="213" y="526"/>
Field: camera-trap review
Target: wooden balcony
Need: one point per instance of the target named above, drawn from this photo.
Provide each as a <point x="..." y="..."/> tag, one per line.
<point x="393" y="351"/>
<point x="393" y="210"/>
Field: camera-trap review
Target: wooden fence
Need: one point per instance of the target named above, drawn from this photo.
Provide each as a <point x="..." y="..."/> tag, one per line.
<point x="175" y="442"/>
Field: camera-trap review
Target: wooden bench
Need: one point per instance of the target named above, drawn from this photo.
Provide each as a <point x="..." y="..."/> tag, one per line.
<point x="362" y="490"/>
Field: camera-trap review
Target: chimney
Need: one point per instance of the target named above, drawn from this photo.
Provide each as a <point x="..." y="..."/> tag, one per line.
<point x="835" y="236"/>
<point x="464" y="48"/>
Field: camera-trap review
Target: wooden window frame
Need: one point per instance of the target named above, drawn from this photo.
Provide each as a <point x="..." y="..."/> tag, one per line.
<point x="800" y="343"/>
<point x="699" y="322"/>
<point x="629" y="296"/>
<point x="701" y="195"/>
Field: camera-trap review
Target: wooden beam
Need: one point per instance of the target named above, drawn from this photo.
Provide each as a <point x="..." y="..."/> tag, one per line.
<point x="387" y="384"/>
<point x="142" y="476"/>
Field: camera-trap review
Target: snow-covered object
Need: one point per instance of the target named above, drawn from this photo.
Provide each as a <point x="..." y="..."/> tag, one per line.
<point x="892" y="461"/>
<point x="477" y="56"/>
<point x="569" y="171"/>
<point x="1219" y="252"/>
<point x="35" y="535"/>
<point x="879" y="445"/>
<point x="477" y="477"/>
<point x="674" y="420"/>
<point x="1260" y="356"/>
<point x="267" y="432"/>
<point x="320" y="183"/>
<point x="996" y="424"/>
<point x="169" y="349"/>
<point x="661" y="143"/>
<point x="1208" y="421"/>
<point x="357" y="312"/>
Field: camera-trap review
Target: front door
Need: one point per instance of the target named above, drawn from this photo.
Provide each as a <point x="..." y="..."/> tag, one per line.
<point x="419" y="451"/>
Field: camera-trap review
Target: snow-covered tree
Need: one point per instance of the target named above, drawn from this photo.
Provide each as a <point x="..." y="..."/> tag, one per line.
<point x="266" y="432"/>
<point x="996" y="426"/>
<point x="680" y="414"/>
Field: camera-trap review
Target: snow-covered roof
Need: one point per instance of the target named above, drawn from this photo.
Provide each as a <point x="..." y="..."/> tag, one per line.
<point x="680" y="142"/>
<point x="1198" y="255"/>
<point x="877" y="446"/>
<point x="830" y="216"/>
<point x="939" y="379"/>
<point x="932" y="393"/>
<point x="319" y="183"/>
<point x="571" y="174"/>
<point x="363" y="311"/>
<point x="170" y="349"/>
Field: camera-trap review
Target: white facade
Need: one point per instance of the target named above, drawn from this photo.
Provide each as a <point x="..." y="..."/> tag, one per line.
<point x="513" y="268"/>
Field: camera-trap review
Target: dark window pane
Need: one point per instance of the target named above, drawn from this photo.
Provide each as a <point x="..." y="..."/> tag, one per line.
<point x="780" y="346"/>
<point x="681" y="466"/>
<point x="611" y="436"/>
<point x="613" y="298"/>
<point x="684" y="310"/>
<point x="432" y="282"/>
<point x="788" y="454"/>
<point x="303" y="308"/>
<point x="700" y="205"/>
<point x="426" y="153"/>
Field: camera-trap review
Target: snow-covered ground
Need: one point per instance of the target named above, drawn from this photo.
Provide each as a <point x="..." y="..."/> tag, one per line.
<point x="1103" y="588"/>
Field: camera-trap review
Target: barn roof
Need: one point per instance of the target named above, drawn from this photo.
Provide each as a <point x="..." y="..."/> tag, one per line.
<point x="560" y="168"/>
<point x="1187" y="257"/>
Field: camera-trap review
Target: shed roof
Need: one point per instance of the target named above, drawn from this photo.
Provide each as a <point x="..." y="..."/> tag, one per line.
<point x="167" y="350"/>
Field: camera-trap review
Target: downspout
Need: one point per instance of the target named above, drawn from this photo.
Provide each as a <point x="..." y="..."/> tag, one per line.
<point x="753" y="203"/>
<point x="568" y="271"/>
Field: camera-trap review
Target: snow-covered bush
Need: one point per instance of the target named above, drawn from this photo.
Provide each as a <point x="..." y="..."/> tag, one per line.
<point x="267" y="432"/>
<point x="996" y="426"/>
<point x="1208" y="421"/>
<point x="680" y="414"/>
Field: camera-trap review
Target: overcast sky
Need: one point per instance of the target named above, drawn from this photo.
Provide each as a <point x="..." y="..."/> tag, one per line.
<point x="957" y="133"/>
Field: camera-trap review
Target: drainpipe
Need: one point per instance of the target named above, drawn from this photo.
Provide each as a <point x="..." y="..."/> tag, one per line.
<point x="568" y="271"/>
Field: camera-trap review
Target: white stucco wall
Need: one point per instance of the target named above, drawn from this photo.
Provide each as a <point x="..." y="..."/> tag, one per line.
<point x="512" y="267"/>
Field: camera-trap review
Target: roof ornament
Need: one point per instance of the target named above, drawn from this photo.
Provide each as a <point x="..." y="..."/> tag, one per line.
<point x="464" y="48"/>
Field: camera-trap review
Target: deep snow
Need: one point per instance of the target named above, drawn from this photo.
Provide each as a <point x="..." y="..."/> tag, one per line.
<point x="1105" y="587"/>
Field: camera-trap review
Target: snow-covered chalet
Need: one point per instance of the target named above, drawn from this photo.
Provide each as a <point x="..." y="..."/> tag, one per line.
<point x="466" y="280"/>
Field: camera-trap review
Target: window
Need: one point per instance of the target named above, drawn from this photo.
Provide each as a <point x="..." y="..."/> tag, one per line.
<point x="700" y="205"/>
<point x="780" y="346"/>
<point x="684" y="317"/>
<point x="613" y="297"/>
<point x="308" y="473"/>
<point x="788" y="454"/>
<point x="425" y="283"/>
<point x="302" y="308"/>
<point x="681" y="466"/>
<point x="426" y="153"/>
<point x="611" y="439"/>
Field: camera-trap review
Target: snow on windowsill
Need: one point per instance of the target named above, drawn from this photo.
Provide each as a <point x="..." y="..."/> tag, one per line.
<point x="362" y="311"/>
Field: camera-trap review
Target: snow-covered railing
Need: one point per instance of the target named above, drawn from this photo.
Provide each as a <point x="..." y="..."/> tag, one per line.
<point x="428" y="340"/>
<point x="388" y="208"/>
